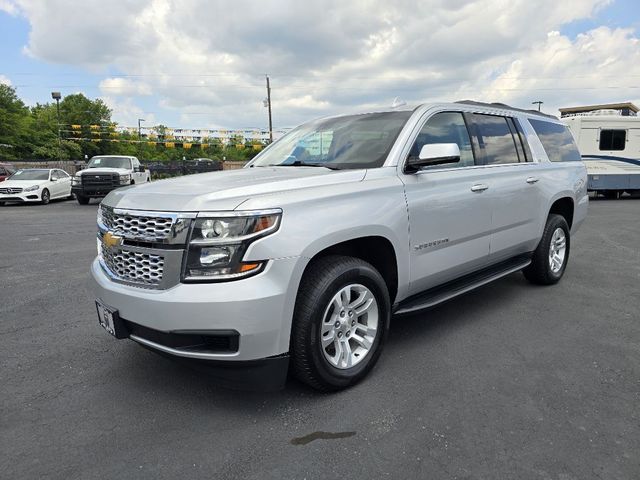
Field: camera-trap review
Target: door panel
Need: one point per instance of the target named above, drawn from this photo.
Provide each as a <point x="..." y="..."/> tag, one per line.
<point x="54" y="185"/>
<point x="450" y="225"/>
<point x="515" y="190"/>
<point x="516" y="209"/>
<point x="449" y="207"/>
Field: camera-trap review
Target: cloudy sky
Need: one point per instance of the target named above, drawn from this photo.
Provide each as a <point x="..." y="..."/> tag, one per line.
<point x="201" y="63"/>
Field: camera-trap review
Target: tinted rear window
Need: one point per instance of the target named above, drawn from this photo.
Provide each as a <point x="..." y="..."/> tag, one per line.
<point x="496" y="139"/>
<point x="557" y="141"/>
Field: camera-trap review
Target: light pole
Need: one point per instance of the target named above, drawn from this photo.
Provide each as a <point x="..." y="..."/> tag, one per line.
<point x="140" y="135"/>
<point x="267" y="103"/>
<point x="57" y="96"/>
<point x="140" y="128"/>
<point x="538" y="102"/>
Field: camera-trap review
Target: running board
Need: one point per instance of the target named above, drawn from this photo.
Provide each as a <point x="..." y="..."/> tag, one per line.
<point x="447" y="291"/>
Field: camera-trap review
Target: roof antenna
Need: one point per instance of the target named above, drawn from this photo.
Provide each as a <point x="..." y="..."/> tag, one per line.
<point x="398" y="102"/>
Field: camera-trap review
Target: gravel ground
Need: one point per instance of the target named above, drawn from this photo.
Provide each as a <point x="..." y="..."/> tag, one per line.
<point x="509" y="381"/>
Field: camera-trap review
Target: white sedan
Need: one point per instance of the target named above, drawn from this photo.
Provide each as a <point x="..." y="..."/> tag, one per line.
<point x="36" y="185"/>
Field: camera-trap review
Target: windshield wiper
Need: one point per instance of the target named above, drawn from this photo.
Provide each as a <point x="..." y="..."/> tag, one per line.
<point x="299" y="163"/>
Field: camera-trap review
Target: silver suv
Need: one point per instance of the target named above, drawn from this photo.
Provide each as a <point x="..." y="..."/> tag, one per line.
<point x="298" y="261"/>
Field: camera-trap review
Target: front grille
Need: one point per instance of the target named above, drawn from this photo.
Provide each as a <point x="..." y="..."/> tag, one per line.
<point x="136" y="227"/>
<point x="11" y="190"/>
<point x="135" y="267"/>
<point x="100" y="179"/>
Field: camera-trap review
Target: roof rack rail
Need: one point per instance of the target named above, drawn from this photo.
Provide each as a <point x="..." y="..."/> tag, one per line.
<point x="506" y="107"/>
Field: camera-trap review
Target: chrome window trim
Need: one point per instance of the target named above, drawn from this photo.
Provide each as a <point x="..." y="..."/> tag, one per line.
<point x="398" y="154"/>
<point x="472" y="167"/>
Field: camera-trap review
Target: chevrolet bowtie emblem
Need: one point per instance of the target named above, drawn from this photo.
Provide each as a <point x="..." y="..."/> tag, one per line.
<point x="111" y="240"/>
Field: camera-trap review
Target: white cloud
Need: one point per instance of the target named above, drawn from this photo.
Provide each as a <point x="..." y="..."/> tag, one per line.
<point x="206" y="59"/>
<point x="126" y="112"/>
<point x="8" y="7"/>
<point x="123" y="87"/>
<point x="5" y="80"/>
<point x="594" y="68"/>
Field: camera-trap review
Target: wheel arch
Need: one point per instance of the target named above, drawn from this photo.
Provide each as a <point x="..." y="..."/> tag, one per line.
<point x="563" y="206"/>
<point x="374" y="249"/>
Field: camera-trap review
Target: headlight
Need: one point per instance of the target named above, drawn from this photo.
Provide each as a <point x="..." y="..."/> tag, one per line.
<point x="32" y="188"/>
<point x="218" y="244"/>
<point x="75" y="180"/>
<point x="125" y="179"/>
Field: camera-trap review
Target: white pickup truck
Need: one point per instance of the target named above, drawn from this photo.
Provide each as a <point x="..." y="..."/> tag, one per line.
<point x="298" y="261"/>
<point x="105" y="173"/>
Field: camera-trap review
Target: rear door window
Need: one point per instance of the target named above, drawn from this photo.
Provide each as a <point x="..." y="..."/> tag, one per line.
<point x="496" y="140"/>
<point x="557" y="141"/>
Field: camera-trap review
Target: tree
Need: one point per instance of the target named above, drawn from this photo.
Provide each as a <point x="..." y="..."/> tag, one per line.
<point x="14" y="122"/>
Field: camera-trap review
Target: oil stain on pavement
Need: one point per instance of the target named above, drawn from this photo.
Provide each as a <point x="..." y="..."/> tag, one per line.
<point x="320" y="436"/>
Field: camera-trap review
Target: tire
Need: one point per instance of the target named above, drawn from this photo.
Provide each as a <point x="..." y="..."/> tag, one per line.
<point x="318" y="315"/>
<point x="611" y="194"/>
<point x="45" y="197"/>
<point x="82" y="200"/>
<point x="541" y="271"/>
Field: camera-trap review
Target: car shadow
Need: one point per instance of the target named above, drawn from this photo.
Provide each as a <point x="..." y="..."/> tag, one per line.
<point x="171" y="380"/>
<point x="31" y="204"/>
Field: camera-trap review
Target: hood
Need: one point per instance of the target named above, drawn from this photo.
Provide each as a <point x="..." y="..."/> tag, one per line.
<point x="97" y="170"/>
<point x="225" y="190"/>
<point x="21" y="183"/>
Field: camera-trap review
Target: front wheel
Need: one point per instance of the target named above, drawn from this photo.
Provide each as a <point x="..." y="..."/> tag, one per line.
<point x="82" y="200"/>
<point x="340" y="323"/>
<point x="552" y="254"/>
<point x="45" y="197"/>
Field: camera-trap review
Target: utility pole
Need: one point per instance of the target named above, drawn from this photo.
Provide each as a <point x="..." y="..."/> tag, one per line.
<point x="140" y="128"/>
<point x="269" y="107"/>
<point x="57" y="96"/>
<point x="538" y="102"/>
<point x="140" y="136"/>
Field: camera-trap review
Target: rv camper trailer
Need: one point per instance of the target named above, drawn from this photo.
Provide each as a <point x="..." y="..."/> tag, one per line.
<point x="608" y="137"/>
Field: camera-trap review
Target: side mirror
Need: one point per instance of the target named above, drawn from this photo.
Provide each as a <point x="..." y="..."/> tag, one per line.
<point x="433" y="154"/>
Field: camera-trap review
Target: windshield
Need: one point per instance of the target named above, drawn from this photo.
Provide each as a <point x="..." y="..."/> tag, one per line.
<point x="110" y="162"/>
<point x="354" y="141"/>
<point x="30" y="175"/>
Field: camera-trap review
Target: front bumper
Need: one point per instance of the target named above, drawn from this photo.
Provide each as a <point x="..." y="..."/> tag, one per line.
<point x="258" y="308"/>
<point x="93" y="191"/>
<point x="23" y="197"/>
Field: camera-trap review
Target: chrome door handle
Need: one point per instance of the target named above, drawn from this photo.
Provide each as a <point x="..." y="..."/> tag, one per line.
<point x="532" y="180"/>
<point x="479" y="187"/>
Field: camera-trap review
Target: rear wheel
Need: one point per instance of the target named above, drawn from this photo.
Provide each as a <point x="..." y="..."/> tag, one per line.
<point x="45" y="197"/>
<point x="82" y="200"/>
<point x="552" y="254"/>
<point x="340" y="322"/>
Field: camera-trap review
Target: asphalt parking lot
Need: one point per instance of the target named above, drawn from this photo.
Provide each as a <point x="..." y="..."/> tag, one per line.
<point x="509" y="381"/>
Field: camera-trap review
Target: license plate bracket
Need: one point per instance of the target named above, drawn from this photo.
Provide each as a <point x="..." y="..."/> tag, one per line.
<point x="110" y="320"/>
